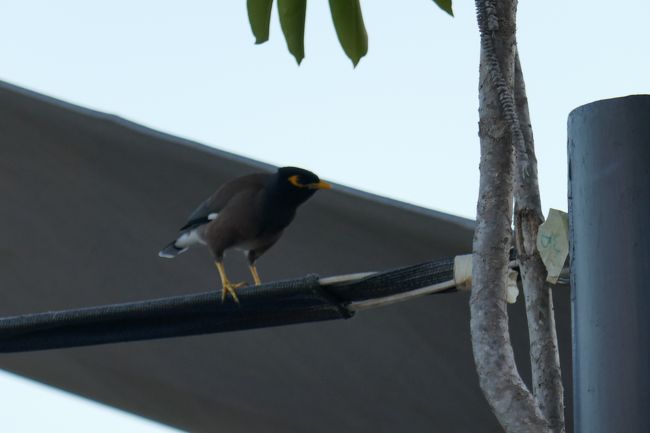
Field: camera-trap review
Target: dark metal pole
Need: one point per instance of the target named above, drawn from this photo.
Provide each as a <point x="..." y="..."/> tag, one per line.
<point x="609" y="206"/>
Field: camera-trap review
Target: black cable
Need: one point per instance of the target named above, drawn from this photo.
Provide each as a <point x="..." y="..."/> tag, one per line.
<point x="273" y="304"/>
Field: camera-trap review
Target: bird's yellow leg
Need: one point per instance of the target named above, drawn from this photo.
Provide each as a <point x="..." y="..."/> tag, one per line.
<point x="256" y="276"/>
<point x="226" y="285"/>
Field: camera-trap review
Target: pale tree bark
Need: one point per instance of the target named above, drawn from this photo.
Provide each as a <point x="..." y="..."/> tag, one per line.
<point x="544" y="354"/>
<point x="504" y="141"/>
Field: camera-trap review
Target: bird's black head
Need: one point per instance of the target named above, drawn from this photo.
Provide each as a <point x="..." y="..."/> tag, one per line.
<point x="296" y="185"/>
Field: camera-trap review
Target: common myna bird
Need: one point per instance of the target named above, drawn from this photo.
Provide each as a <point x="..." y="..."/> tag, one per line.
<point x="248" y="213"/>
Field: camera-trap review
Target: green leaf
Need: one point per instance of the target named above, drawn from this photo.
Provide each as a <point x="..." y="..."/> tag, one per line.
<point x="445" y="5"/>
<point x="292" y="21"/>
<point x="350" y="29"/>
<point x="259" y="15"/>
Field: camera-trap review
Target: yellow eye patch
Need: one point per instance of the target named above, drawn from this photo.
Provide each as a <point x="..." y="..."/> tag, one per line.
<point x="317" y="185"/>
<point x="295" y="182"/>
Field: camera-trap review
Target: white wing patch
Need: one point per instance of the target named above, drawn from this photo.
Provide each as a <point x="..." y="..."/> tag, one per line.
<point x="189" y="238"/>
<point x="213" y="216"/>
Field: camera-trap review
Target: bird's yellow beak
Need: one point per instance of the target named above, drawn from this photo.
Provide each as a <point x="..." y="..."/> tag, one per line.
<point x="320" y="185"/>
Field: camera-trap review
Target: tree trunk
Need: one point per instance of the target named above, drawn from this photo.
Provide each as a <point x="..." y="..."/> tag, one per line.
<point x="512" y="403"/>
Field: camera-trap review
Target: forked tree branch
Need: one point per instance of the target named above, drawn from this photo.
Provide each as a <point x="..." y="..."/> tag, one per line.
<point x="512" y="403"/>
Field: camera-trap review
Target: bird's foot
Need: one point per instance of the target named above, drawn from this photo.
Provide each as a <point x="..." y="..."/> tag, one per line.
<point x="229" y="287"/>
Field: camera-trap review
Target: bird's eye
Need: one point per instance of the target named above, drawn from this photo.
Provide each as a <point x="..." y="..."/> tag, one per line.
<point x="320" y="184"/>
<point x="296" y="182"/>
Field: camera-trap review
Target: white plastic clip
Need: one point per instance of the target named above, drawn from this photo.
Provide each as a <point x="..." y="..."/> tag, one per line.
<point x="463" y="277"/>
<point x="512" y="290"/>
<point x="463" y="272"/>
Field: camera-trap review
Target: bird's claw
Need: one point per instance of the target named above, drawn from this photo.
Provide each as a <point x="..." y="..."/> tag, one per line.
<point x="230" y="288"/>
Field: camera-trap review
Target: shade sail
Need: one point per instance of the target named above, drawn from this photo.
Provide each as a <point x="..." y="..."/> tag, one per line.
<point x="88" y="199"/>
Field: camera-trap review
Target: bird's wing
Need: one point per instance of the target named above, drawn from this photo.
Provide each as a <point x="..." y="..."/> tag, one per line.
<point x="209" y="209"/>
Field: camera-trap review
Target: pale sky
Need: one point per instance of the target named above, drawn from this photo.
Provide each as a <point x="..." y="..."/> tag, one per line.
<point x="402" y="124"/>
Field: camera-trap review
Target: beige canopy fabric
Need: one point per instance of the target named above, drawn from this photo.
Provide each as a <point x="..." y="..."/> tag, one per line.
<point x="88" y="199"/>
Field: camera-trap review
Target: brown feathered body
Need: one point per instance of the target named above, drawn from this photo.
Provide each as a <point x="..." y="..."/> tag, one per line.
<point x="247" y="213"/>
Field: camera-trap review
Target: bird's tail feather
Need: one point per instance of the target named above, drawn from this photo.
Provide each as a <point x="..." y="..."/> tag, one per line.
<point x="171" y="251"/>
